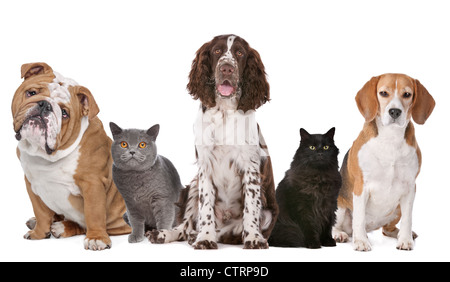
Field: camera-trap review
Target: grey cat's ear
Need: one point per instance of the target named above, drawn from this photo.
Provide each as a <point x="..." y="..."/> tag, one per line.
<point x="304" y="134"/>
<point x="153" y="132"/>
<point x="330" y="133"/>
<point x="115" y="129"/>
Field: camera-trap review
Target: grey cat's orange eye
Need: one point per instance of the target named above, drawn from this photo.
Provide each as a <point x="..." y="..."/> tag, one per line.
<point x="123" y="144"/>
<point x="142" y="145"/>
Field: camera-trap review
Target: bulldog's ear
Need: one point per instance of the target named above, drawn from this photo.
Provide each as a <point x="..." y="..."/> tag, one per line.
<point x="29" y="70"/>
<point x="367" y="100"/>
<point x="89" y="107"/>
<point x="423" y="103"/>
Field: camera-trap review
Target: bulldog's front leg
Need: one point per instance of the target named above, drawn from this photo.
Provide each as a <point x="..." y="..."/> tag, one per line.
<point x="95" y="216"/>
<point x="43" y="217"/>
<point x="252" y="208"/>
<point x="206" y="238"/>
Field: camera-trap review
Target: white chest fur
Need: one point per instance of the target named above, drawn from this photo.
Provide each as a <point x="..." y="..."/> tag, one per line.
<point x="53" y="182"/>
<point x="389" y="166"/>
<point x="227" y="141"/>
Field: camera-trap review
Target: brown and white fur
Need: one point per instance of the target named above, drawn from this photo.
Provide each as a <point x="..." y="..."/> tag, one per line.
<point x="380" y="169"/>
<point x="232" y="198"/>
<point x="66" y="158"/>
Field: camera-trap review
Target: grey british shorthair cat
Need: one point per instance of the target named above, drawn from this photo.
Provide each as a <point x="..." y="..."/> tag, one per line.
<point x="148" y="182"/>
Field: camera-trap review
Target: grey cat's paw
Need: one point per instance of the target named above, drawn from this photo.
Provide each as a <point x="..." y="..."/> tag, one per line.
<point x="132" y="238"/>
<point x="156" y="237"/>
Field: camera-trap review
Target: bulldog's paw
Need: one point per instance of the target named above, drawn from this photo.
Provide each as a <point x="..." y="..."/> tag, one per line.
<point x="205" y="245"/>
<point x="362" y="245"/>
<point x="34" y="235"/>
<point x="97" y="243"/>
<point x="57" y="229"/>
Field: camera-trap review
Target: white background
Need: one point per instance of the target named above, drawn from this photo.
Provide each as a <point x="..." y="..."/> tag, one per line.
<point x="135" y="57"/>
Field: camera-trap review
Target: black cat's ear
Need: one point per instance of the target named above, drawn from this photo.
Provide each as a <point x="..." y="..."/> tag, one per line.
<point x="115" y="129"/>
<point x="153" y="132"/>
<point x="330" y="133"/>
<point x="304" y="134"/>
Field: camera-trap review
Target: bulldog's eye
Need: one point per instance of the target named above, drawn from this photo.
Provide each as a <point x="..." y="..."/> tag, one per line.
<point x="30" y="93"/>
<point x="65" y="115"/>
<point x="384" y="94"/>
<point x="142" y="145"/>
<point x="123" y="144"/>
<point x="407" y="95"/>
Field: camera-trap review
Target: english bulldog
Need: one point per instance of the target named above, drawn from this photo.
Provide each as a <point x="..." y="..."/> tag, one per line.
<point x="66" y="157"/>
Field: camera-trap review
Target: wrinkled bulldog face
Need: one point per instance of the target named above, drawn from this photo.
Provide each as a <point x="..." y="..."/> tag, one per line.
<point x="50" y="111"/>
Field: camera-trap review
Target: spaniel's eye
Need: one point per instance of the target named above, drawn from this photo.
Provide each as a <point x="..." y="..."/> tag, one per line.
<point x="65" y="115"/>
<point x="384" y="94"/>
<point x="123" y="144"/>
<point x="30" y="93"/>
<point x="217" y="51"/>
<point x="239" y="53"/>
<point x="407" y="95"/>
<point x="142" y="145"/>
<point x="326" y="147"/>
<point x="313" y="148"/>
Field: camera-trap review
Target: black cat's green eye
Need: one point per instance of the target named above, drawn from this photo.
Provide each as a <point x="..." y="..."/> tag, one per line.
<point x="313" y="148"/>
<point x="326" y="147"/>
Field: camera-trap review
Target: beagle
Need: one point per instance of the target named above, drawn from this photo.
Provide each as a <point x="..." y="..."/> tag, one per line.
<point x="380" y="169"/>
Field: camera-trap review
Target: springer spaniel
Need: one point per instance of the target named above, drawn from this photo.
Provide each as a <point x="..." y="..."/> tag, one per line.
<point x="232" y="198"/>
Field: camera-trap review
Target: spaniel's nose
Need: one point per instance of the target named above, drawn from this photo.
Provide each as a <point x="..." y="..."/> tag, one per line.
<point x="227" y="69"/>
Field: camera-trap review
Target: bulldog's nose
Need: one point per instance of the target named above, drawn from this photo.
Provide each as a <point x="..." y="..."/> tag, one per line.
<point x="395" y="113"/>
<point x="44" y="106"/>
<point x="227" y="69"/>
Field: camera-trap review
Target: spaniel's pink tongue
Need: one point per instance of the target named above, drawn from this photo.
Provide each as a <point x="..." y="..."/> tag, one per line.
<point x="225" y="90"/>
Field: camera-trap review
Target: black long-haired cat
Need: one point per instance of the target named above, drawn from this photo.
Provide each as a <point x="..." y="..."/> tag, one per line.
<point x="307" y="196"/>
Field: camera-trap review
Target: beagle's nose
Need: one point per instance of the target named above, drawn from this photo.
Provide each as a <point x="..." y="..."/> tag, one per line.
<point x="227" y="69"/>
<point x="395" y="113"/>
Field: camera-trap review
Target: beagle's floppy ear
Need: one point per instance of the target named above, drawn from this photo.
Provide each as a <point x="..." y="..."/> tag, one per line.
<point x="366" y="99"/>
<point x="423" y="103"/>
<point x="28" y="70"/>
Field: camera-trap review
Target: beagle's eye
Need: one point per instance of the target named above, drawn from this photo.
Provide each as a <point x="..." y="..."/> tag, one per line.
<point x="239" y="53"/>
<point x="326" y="147"/>
<point x="30" y="93"/>
<point x="407" y="95"/>
<point x="142" y="145"/>
<point x="65" y="114"/>
<point x="123" y="144"/>
<point x="384" y="94"/>
<point x="217" y="51"/>
<point x="312" y="148"/>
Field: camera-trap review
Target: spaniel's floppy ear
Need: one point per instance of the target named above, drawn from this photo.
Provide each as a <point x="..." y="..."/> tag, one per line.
<point x="31" y="69"/>
<point x="255" y="88"/>
<point x="366" y="99"/>
<point x="200" y="85"/>
<point x="423" y="103"/>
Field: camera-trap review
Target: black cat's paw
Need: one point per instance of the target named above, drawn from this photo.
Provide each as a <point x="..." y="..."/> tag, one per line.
<point x="329" y="242"/>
